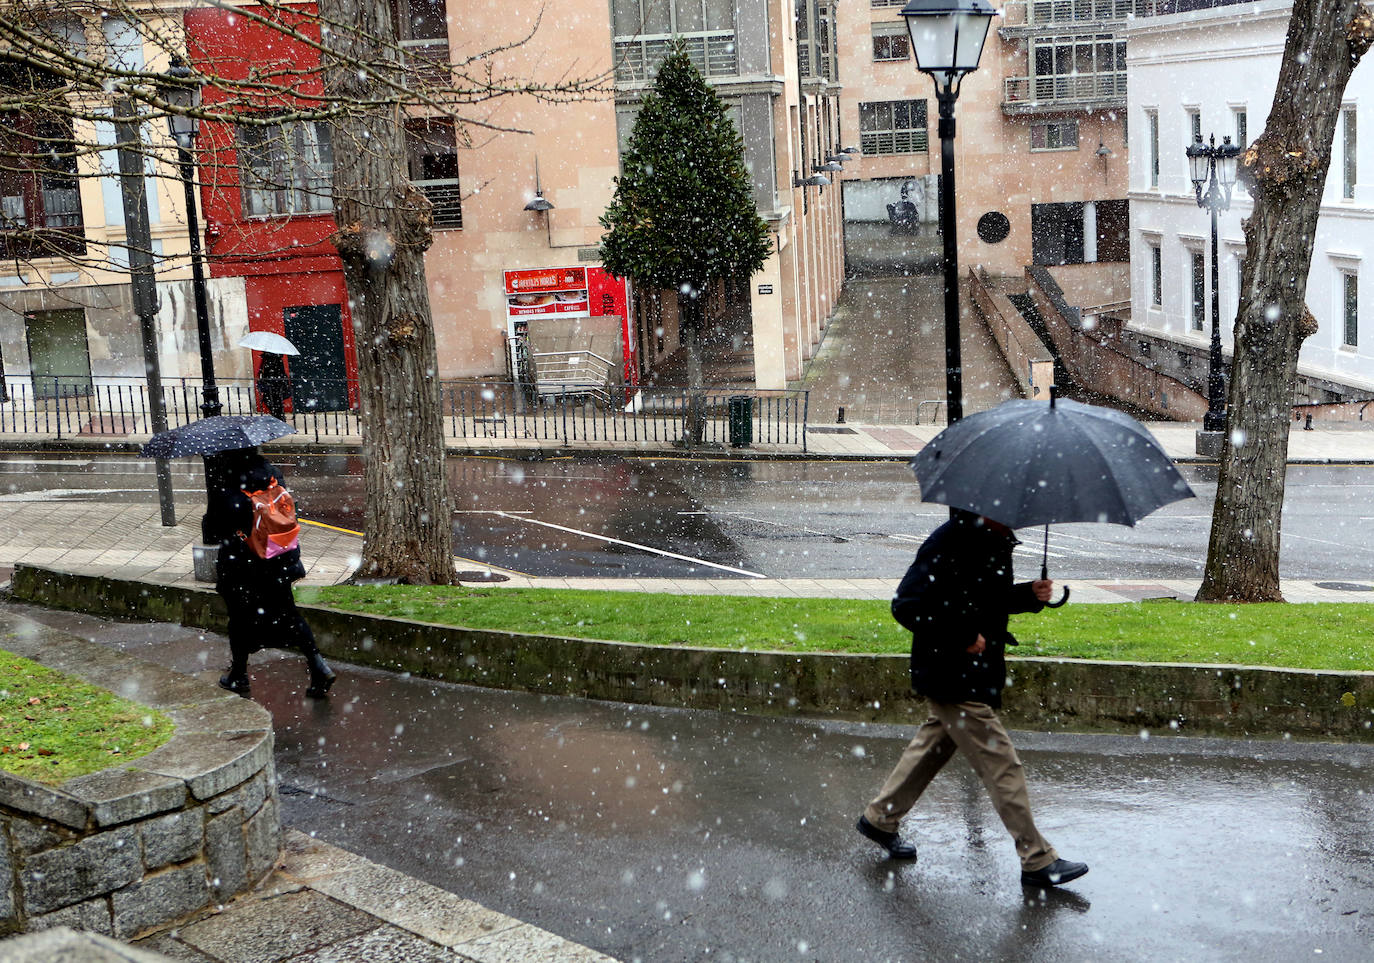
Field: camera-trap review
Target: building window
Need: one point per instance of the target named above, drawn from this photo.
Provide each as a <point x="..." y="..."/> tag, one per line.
<point x="1152" y="132"/>
<point x="1194" y="126"/>
<point x="891" y="41"/>
<point x="1078" y="69"/>
<point x="432" y="162"/>
<point x="893" y="127"/>
<point x="644" y="29"/>
<point x="1352" y="310"/>
<point x="1054" y="135"/>
<point x="1156" y="276"/>
<point x="1242" y="125"/>
<point x="1348" y="146"/>
<point x="40" y="201"/>
<point x="287" y="168"/>
<point x="1199" y="285"/>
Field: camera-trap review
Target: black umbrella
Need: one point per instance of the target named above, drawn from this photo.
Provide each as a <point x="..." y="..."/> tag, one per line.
<point x="209" y="436"/>
<point x="1029" y="463"/>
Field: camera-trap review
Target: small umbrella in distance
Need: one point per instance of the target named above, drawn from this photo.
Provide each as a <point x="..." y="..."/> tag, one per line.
<point x="1029" y="463"/>
<point x="268" y="341"/>
<point x="208" y="436"/>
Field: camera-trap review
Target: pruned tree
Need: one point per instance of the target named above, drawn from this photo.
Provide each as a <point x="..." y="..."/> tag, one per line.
<point x="683" y="216"/>
<point x="63" y="73"/>
<point x="1285" y="171"/>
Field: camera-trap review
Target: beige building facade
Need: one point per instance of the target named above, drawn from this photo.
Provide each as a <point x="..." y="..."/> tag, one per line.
<point x="1040" y="155"/>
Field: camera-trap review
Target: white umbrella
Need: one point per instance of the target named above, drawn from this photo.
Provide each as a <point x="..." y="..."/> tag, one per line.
<point x="267" y="341"/>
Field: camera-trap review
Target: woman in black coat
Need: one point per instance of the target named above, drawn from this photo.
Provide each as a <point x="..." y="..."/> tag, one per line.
<point x="257" y="591"/>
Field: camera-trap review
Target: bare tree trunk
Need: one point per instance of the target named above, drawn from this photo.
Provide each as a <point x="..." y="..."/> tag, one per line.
<point x="385" y="225"/>
<point x="1286" y="171"/>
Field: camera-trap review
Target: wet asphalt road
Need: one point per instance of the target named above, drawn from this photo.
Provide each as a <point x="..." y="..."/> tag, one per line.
<point x="665" y="835"/>
<point x="610" y="517"/>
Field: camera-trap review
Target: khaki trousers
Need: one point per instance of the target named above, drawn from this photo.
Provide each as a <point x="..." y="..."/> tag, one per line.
<point x="974" y="728"/>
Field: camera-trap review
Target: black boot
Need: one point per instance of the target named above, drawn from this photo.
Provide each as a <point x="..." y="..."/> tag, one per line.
<point x="321" y="675"/>
<point x="235" y="679"/>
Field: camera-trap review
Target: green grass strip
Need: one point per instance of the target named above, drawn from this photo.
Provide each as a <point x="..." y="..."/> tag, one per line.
<point x="54" y="727"/>
<point x="1307" y="636"/>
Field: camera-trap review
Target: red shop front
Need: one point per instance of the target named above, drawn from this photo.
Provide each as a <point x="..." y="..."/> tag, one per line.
<point x="539" y="301"/>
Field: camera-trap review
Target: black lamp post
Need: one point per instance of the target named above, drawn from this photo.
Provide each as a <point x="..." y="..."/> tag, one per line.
<point x="947" y="38"/>
<point x="1213" y="171"/>
<point x="181" y="90"/>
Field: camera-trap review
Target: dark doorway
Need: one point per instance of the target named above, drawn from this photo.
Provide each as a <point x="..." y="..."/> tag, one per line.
<point x="1057" y="233"/>
<point x="1113" y="231"/>
<point x="319" y="374"/>
<point x="59" y="355"/>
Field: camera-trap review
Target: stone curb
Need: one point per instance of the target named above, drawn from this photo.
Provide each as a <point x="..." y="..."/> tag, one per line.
<point x="1086" y="695"/>
<point x="136" y="845"/>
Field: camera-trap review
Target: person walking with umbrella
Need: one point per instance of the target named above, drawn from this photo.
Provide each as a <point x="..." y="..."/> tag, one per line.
<point x="256" y="591"/>
<point x="274" y="384"/>
<point x="955" y="600"/>
<point x="1022" y="463"/>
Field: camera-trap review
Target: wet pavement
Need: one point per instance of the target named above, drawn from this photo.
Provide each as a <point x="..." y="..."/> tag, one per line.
<point x="883" y="354"/>
<point x="608" y="516"/>
<point x="658" y="834"/>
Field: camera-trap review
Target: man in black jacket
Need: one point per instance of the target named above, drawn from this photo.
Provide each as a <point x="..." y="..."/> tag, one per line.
<point x="955" y="599"/>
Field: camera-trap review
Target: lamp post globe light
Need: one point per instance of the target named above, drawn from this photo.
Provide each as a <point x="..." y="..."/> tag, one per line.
<point x="181" y="90"/>
<point x="1212" y="168"/>
<point x="947" y="38"/>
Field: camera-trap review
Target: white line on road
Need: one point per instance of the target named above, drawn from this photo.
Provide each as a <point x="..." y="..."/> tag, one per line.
<point x="619" y="541"/>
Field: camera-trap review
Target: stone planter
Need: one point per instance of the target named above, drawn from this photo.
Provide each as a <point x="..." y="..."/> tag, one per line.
<point x="136" y="846"/>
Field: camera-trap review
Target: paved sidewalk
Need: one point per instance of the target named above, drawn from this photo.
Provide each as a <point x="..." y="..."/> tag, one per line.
<point x="129" y="541"/>
<point x="323" y="904"/>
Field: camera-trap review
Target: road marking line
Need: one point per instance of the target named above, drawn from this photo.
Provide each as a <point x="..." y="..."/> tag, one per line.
<point x="642" y="548"/>
<point x="461" y="558"/>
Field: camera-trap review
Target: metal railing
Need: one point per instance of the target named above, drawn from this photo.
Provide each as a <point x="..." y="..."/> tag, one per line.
<point x="1065" y="89"/>
<point x="68" y="407"/>
<point x="1064" y="13"/>
<point x="637" y="58"/>
<point x="560" y="373"/>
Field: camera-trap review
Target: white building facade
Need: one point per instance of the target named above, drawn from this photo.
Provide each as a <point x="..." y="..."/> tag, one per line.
<point x="1213" y="72"/>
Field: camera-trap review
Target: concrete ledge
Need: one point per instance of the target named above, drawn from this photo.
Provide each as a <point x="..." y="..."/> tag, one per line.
<point x="141" y="844"/>
<point x="1045" y="693"/>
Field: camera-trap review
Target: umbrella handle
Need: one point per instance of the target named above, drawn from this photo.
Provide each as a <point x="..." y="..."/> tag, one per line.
<point x="1062" y="601"/>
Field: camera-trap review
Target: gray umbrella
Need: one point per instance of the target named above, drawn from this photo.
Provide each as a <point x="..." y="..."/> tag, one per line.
<point x="1029" y="463"/>
<point x="209" y="436"/>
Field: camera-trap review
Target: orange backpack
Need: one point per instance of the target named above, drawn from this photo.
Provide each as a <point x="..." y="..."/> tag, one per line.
<point x="275" y="529"/>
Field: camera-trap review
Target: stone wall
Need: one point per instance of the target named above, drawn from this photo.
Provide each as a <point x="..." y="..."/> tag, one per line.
<point x="1082" y="695"/>
<point x="132" y="847"/>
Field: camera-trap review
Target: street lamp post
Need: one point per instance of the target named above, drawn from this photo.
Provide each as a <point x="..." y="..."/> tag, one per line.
<point x="181" y="90"/>
<point x="947" y="38"/>
<point x="1213" y="172"/>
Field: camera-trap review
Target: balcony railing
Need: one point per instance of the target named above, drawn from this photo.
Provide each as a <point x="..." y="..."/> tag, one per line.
<point x="712" y="51"/>
<point x="1064" y="90"/>
<point x="447" y="198"/>
<point x="1068" y="13"/>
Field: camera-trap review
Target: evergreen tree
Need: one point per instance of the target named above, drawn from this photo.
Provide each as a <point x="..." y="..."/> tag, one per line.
<point x="683" y="214"/>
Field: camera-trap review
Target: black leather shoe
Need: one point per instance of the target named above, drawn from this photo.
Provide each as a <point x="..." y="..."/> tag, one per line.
<point x="322" y="677"/>
<point x="1057" y="872"/>
<point x="896" y="846"/>
<point x="237" y="684"/>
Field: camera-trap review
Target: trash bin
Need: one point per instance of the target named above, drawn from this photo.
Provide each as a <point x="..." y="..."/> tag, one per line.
<point x="741" y="408"/>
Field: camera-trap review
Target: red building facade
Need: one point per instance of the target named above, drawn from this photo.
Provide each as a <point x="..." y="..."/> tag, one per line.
<point x="266" y="199"/>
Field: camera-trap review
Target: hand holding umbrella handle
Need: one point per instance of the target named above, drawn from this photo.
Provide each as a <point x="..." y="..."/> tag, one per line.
<point x="1045" y="574"/>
